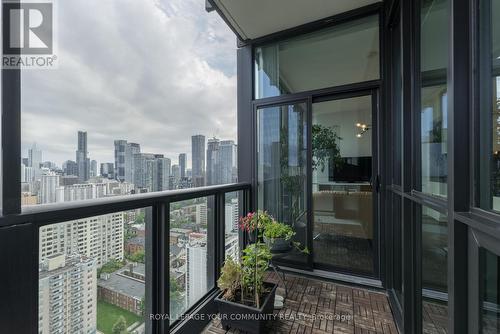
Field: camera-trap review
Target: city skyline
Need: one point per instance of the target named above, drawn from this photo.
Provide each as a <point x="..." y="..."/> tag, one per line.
<point x="187" y="86"/>
<point x="174" y="158"/>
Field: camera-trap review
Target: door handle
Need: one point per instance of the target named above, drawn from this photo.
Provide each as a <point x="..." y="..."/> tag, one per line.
<point x="377" y="183"/>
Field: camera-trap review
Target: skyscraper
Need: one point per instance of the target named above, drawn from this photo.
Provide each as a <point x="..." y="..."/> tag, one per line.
<point x="227" y="162"/>
<point x="70" y="168"/>
<point x="93" y="168"/>
<point x="176" y="176"/>
<point x="48" y="186"/>
<point x="34" y="160"/>
<point x="143" y="171"/>
<point x="120" y="148"/>
<point x="130" y="150"/>
<point x="82" y="159"/>
<point x="213" y="170"/>
<point x="108" y="170"/>
<point x="163" y="174"/>
<point x="182" y="164"/>
<point x="198" y="160"/>
<point x="124" y="160"/>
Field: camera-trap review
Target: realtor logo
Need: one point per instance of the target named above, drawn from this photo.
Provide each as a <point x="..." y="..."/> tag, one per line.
<point x="28" y="29"/>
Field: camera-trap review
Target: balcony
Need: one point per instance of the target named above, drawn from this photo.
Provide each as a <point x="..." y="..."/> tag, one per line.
<point x="316" y="306"/>
<point x="370" y="128"/>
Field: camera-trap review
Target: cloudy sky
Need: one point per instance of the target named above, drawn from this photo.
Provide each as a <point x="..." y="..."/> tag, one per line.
<point x="153" y="72"/>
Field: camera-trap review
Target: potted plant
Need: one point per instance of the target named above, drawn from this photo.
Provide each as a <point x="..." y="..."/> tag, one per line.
<point x="246" y="302"/>
<point x="278" y="236"/>
<point x="254" y="223"/>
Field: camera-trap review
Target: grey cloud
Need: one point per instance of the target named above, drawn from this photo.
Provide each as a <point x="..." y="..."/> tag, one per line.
<point x="152" y="72"/>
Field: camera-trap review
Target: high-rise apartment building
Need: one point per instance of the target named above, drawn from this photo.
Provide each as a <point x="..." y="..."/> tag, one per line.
<point x="82" y="159"/>
<point x="196" y="275"/>
<point x="67" y="295"/>
<point x="198" y="160"/>
<point x="48" y="185"/>
<point x="81" y="191"/>
<point x="213" y="171"/>
<point x="182" y="164"/>
<point x="144" y="168"/>
<point x="70" y="167"/>
<point x="231" y="216"/>
<point x="100" y="238"/>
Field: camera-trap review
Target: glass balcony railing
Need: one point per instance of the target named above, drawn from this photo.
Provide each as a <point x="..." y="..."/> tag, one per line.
<point x="116" y="279"/>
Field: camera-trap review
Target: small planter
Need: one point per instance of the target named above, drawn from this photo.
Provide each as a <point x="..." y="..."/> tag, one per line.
<point x="246" y="318"/>
<point x="277" y="244"/>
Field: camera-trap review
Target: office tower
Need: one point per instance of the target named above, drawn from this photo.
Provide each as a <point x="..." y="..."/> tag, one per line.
<point x="67" y="295"/>
<point x="25" y="161"/>
<point x="120" y="148"/>
<point x="196" y="279"/>
<point x="227" y="162"/>
<point x="130" y="150"/>
<point x="82" y="159"/>
<point x="48" y="185"/>
<point x="124" y="160"/>
<point x="107" y="170"/>
<point x="212" y="174"/>
<point x="103" y="236"/>
<point x="34" y="160"/>
<point x="144" y="170"/>
<point x="163" y="174"/>
<point x="182" y="164"/>
<point x="198" y="160"/>
<point x="93" y="168"/>
<point x="70" y="167"/>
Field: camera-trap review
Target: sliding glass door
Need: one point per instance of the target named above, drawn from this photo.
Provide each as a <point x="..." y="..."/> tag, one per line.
<point x="282" y="170"/>
<point x="342" y="185"/>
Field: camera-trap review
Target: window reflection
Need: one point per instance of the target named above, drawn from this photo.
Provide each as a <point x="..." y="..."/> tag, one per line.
<point x="318" y="60"/>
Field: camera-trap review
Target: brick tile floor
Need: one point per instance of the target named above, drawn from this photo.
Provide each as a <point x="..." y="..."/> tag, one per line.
<point x="320" y="307"/>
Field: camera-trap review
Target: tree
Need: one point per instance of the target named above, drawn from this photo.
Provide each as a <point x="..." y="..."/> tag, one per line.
<point x="137" y="256"/>
<point x="120" y="326"/>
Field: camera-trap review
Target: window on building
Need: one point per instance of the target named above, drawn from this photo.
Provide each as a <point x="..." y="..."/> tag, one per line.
<point x="434" y="98"/>
<point x="320" y="59"/>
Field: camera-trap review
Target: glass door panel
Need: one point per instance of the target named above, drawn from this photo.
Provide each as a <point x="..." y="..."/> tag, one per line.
<point x="342" y="192"/>
<point x="282" y="170"/>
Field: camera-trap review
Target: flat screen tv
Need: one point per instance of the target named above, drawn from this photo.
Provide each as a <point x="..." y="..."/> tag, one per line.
<point x="351" y="169"/>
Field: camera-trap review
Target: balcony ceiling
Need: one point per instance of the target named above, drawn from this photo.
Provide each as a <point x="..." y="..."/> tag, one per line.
<point x="257" y="18"/>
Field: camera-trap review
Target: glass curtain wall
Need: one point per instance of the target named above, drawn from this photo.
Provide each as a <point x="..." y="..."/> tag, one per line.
<point x="433" y="114"/>
<point x="489" y="119"/>
<point x="320" y="59"/>
<point x="433" y="177"/>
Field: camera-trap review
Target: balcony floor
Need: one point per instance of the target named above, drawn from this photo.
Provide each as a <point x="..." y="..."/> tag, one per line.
<point x="365" y="311"/>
